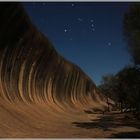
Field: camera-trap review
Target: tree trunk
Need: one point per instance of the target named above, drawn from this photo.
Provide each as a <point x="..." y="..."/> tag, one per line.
<point x="121" y="107"/>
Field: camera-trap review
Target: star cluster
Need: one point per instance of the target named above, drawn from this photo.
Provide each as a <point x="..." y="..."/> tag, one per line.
<point x="87" y="33"/>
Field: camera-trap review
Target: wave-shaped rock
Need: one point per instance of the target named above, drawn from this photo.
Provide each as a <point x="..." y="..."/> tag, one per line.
<point x="39" y="89"/>
<point x="32" y="72"/>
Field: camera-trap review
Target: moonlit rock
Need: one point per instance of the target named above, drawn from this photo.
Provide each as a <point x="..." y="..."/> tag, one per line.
<point x="41" y="92"/>
<point x="30" y="63"/>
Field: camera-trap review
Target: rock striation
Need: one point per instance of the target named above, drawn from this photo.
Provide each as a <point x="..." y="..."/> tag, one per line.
<point x="31" y="70"/>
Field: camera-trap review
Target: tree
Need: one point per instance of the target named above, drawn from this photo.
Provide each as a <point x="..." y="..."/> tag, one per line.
<point x="131" y="26"/>
<point x="131" y="76"/>
<point x="107" y="87"/>
<point x="129" y="81"/>
<point x="123" y="88"/>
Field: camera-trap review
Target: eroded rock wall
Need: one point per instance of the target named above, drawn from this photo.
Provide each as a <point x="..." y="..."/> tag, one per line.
<point x="31" y="70"/>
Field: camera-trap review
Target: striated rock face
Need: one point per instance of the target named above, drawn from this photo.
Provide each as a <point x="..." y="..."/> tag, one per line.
<point x="41" y="93"/>
<point x="31" y="71"/>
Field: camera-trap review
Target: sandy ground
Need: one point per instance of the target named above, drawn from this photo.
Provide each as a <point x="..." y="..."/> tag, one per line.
<point x="111" y="125"/>
<point x="37" y="121"/>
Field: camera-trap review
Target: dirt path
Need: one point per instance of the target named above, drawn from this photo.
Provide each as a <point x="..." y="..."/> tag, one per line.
<point x="33" y="121"/>
<point x="112" y="124"/>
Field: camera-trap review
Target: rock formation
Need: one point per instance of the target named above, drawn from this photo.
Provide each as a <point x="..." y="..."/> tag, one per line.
<point x="32" y="72"/>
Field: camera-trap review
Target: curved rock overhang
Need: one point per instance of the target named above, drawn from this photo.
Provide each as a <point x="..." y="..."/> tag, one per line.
<point x="31" y="70"/>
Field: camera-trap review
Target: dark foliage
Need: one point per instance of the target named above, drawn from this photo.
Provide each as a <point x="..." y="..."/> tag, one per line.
<point x="124" y="88"/>
<point x="131" y="26"/>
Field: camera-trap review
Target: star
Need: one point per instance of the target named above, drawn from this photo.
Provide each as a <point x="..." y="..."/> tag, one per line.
<point x="72" y="4"/>
<point x="92" y="25"/>
<point x="91" y="20"/>
<point x="65" y="30"/>
<point x="109" y="44"/>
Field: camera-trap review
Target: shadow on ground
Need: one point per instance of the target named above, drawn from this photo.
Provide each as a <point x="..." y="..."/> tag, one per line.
<point x="93" y="111"/>
<point x="108" y="121"/>
<point x="135" y="134"/>
<point x="104" y="122"/>
<point x="101" y="123"/>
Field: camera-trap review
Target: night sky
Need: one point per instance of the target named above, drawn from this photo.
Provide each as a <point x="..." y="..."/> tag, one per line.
<point x="88" y="33"/>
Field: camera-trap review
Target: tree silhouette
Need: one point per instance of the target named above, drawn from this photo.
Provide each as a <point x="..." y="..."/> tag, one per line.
<point x="131" y="26"/>
<point x="123" y="88"/>
<point x="129" y="81"/>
